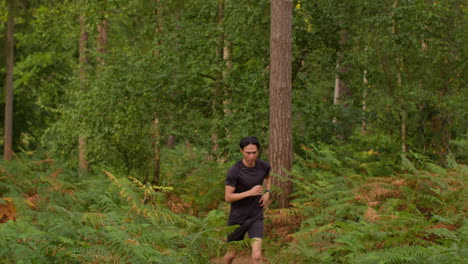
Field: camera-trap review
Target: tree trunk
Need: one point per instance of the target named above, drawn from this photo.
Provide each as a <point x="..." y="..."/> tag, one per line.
<point x="217" y="101"/>
<point x="404" y="130"/>
<point x="155" y="128"/>
<point x="157" y="151"/>
<point x="364" y="105"/>
<point x="83" y="62"/>
<point x="102" y="41"/>
<point x="159" y="26"/>
<point x="342" y="92"/>
<point x="280" y="147"/>
<point x="227" y="57"/>
<point x="403" y="113"/>
<point x="8" y="140"/>
<point x="171" y="141"/>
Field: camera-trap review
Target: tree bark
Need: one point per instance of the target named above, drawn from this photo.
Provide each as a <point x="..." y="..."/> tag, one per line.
<point x="404" y="131"/>
<point x="342" y="90"/>
<point x="83" y="62"/>
<point x="227" y="57"/>
<point x="364" y="104"/>
<point x="217" y="101"/>
<point x="399" y="79"/>
<point x="159" y="26"/>
<point x="280" y="147"/>
<point x="157" y="151"/>
<point x="171" y="141"/>
<point x="102" y="41"/>
<point x="8" y="140"/>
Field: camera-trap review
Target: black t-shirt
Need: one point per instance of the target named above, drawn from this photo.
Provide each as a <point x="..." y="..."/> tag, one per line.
<point x="243" y="179"/>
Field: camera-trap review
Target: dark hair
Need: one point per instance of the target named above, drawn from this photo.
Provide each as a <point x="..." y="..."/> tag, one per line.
<point x="249" y="140"/>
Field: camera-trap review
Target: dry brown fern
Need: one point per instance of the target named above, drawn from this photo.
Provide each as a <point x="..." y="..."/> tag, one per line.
<point x="378" y="189"/>
<point x="283" y="222"/>
<point x="7" y="210"/>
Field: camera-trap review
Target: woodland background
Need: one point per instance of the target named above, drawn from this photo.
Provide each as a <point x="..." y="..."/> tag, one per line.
<point x="122" y="117"/>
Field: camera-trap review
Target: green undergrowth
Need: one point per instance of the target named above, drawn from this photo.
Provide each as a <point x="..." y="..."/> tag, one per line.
<point x="400" y="210"/>
<point x="63" y="217"/>
<point x="197" y="178"/>
<point x="352" y="204"/>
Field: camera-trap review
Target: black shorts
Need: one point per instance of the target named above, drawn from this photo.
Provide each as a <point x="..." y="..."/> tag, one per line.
<point x="254" y="229"/>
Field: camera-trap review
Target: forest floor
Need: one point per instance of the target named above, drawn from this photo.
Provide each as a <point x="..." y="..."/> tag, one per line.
<point x="242" y="258"/>
<point x="245" y="259"/>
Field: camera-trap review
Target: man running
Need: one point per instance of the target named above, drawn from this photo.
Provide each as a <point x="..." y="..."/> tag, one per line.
<point x="248" y="184"/>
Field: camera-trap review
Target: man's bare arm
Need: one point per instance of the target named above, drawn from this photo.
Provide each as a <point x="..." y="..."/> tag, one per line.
<point x="230" y="196"/>
<point x="267" y="182"/>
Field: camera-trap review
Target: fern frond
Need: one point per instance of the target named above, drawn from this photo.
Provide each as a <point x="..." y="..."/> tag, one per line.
<point x="410" y="255"/>
<point x="284" y="216"/>
<point x="240" y="245"/>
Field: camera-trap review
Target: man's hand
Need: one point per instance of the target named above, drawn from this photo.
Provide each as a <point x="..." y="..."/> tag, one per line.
<point x="256" y="190"/>
<point x="264" y="199"/>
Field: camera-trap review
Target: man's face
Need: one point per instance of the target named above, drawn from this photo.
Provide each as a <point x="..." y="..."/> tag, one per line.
<point x="250" y="153"/>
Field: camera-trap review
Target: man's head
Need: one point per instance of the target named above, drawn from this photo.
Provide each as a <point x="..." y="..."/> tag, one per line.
<point x="249" y="141"/>
<point x="250" y="148"/>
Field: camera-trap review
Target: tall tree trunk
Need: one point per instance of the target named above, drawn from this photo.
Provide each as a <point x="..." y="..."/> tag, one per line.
<point x="171" y="139"/>
<point x="102" y="41"/>
<point x="8" y="140"/>
<point x="155" y="128"/>
<point x="159" y="26"/>
<point x="280" y="147"/>
<point x="342" y="92"/>
<point x="364" y="104"/>
<point x="404" y="131"/>
<point x="83" y="63"/>
<point x="156" y="136"/>
<point x="403" y="113"/>
<point x="227" y="57"/>
<point x="217" y="102"/>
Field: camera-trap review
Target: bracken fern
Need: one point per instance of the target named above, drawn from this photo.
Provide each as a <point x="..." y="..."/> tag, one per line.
<point x="98" y="218"/>
<point x="416" y="216"/>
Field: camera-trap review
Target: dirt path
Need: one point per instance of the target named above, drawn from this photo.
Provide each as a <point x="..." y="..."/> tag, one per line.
<point x="238" y="260"/>
<point x="243" y="258"/>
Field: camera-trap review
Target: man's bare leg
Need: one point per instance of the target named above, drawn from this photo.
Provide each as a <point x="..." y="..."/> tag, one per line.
<point x="229" y="257"/>
<point x="257" y="257"/>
